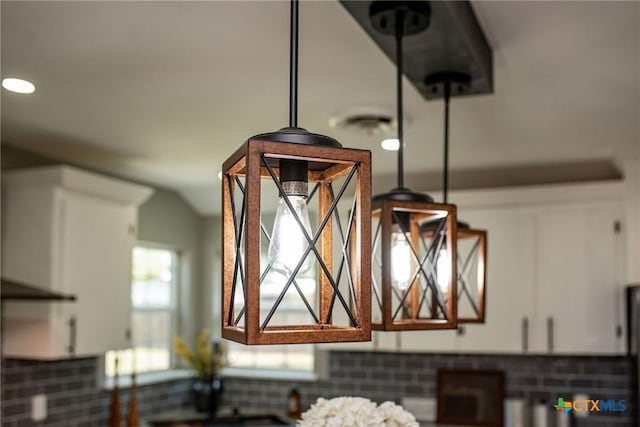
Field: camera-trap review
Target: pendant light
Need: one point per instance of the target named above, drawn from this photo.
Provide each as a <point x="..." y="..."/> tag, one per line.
<point x="406" y="279"/>
<point x="471" y="242"/>
<point x="323" y="269"/>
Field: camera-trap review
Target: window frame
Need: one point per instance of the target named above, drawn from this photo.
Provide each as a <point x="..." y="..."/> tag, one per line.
<point x="319" y="371"/>
<point x="161" y="374"/>
<point x="279" y="372"/>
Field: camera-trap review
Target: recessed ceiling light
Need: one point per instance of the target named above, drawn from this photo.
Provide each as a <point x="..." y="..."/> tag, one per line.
<point x="220" y="175"/>
<point x="18" y="85"/>
<point x="390" y="144"/>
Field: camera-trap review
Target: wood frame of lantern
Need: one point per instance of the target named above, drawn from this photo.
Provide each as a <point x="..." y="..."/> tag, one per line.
<point x="401" y="212"/>
<point x="257" y="160"/>
<point x="477" y="255"/>
<point x="412" y="300"/>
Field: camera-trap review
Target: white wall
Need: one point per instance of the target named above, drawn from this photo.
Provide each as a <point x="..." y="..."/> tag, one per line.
<point x="167" y="219"/>
<point x="210" y="250"/>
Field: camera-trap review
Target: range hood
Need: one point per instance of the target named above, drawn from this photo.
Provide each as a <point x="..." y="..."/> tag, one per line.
<point x="16" y="291"/>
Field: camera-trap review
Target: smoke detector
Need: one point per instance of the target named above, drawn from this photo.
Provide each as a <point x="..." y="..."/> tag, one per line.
<point x="365" y="119"/>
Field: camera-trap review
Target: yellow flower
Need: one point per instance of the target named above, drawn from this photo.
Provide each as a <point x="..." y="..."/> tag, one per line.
<point x="203" y="360"/>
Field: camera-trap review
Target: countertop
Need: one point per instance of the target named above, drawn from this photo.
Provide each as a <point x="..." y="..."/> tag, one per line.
<point x="190" y="414"/>
<point x="186" y="414"/>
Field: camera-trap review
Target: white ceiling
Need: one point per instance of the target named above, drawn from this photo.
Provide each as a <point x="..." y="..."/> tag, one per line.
<point x="163" y="92"/>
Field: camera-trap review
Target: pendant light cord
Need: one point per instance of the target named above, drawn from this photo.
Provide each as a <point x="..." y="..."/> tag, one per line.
<point x="399" y="34"/>
<point x="293" y="66"/>
<point x="445" y="178"/>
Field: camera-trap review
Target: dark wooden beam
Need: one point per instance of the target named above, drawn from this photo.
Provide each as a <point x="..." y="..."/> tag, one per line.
<point x="453" y="42"/>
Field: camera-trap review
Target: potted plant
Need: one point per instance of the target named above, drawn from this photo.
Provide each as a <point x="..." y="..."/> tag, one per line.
<point x="207" y="360"/>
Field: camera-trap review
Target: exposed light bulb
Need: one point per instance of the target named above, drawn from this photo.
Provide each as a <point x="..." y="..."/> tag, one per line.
<point x="392" y="144"/>
<point x="443" y="271"/>
<point x="400" y="259"/>
<point x="288" y="242"/>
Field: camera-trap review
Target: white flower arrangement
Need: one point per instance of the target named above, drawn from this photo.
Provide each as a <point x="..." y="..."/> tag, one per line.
<point x="356" y="412"/>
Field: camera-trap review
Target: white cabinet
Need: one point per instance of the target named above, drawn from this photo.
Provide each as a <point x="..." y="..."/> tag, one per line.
<point x="556" y="257"/>
<point x="578" y="265"/>
<point x="510" y="282"/>
<point x="72" y="232"/>
<point x="555" y="260"/>
<point x="555" y="273"/>
<point x="554" y="283"/>
<point x="435" y="341"/>
<point x="510" y="292"/>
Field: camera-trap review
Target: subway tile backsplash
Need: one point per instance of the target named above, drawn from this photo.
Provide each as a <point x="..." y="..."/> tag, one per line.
<point x="392" y="376"/>
<point x="73" y="395"/>
<point x="74" y="398"/>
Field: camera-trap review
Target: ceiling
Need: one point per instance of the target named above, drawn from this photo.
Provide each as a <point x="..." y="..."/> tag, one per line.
<point x="164" y="92"/>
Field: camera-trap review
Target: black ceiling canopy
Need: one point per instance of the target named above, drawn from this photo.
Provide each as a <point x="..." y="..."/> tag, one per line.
<point x="452" y="43"/>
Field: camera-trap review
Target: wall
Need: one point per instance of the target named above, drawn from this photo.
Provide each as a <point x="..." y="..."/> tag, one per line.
<point x="391" y="376"/>
<point x="167" y="219"/>
<point x="210" y="247"/>
<point x="74" y="398"/>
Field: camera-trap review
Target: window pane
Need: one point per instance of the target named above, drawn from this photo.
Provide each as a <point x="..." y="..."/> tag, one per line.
<point x="152" y="358"/>
<point x="153" y="271"/>
<point x="291" y="310"/>
<point x="140" y="327"/>
<point x="161" y="326"/>
<point x="152" y="293"/>
<point x="283" y="357"/>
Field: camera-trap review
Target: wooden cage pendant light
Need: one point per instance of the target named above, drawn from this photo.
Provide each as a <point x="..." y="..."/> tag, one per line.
<point x="471" y="243"/>
<point x="323" y="269"/>
<point x="413" y="273"/>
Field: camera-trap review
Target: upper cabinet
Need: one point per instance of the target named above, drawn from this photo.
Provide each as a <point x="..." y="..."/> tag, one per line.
<point x="555" y="269"/>
<point x="69" y="231"/>
<point x="511" y="234"/>
<point x="555" y="273"/>
<point x="579" y="263"/>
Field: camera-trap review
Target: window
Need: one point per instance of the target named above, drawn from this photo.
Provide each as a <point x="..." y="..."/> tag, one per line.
<point x="153" y="291"/>
<point x="299" y="357"/>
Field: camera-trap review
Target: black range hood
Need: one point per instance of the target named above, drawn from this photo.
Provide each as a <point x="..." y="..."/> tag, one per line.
<point x="15" y="291"/>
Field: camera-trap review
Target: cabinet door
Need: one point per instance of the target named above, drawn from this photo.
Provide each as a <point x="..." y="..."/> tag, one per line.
<point x="28" y="237"/>
<point x="509" y="287"/>
<point x="97" y="240"/>
<point x="29" y="255"/>
<point x="434" y="341"/>
<point x="577" y="253"/>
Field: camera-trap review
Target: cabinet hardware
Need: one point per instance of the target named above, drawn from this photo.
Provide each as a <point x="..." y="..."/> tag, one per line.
<point x="460" y="331"/>
<point x="619" y="331"/>
<point x="525" y="334"/>
<point x="550" y="334"/>
<point x="72" y="335"/>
